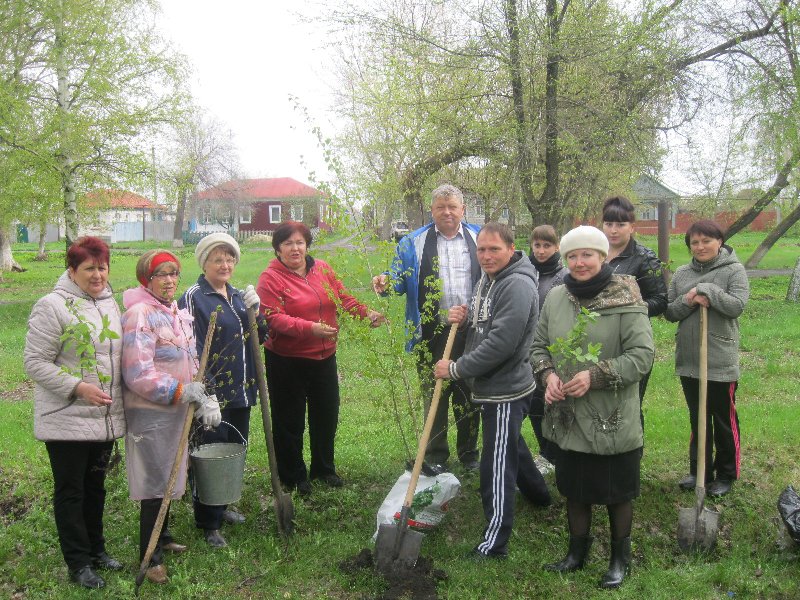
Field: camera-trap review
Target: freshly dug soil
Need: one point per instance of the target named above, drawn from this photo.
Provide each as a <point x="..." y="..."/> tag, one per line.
<point x="417" y="583"/>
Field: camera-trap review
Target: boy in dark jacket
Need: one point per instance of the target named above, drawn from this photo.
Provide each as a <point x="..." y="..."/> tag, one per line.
<point x="500" y="323"/>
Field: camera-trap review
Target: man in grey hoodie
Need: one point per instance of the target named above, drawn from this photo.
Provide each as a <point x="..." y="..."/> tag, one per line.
<point x="500" y="323"/>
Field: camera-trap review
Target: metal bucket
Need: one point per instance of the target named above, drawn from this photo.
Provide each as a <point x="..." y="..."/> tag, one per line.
<point x="218" y="471"/>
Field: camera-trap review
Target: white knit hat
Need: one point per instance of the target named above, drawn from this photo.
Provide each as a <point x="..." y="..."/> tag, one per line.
<point x="584" y="236"/>
<point x="211" y="241"/>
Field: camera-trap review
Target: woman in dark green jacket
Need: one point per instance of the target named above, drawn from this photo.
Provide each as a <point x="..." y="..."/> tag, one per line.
<point x="717" y="280"/>
<point x="592" y="409"/>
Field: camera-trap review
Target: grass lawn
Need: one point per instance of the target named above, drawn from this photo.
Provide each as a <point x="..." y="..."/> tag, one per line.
<point x="334" y="525"/>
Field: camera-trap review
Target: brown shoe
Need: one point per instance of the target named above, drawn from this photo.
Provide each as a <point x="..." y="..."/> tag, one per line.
<point x="174" y="547"/>
<point x="157" y="574"/>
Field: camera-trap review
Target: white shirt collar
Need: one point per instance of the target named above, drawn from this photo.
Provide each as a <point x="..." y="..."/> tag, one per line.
<point x="460" y="232"/>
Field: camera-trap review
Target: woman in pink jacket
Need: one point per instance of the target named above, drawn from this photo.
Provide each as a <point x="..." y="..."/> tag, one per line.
<point x="159" y="360"/>
<point x="300" y="297"/>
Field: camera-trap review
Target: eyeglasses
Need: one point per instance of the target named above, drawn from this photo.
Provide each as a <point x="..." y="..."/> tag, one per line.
<point x="219" y="262"/>
<point x="173" y="274"/>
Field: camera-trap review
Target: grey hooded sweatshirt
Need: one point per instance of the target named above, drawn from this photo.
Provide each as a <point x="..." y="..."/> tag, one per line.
<point x="501" y="322"/>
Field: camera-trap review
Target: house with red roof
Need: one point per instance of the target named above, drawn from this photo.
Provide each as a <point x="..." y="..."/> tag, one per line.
<point x="259" y="205"/>
<point x="122" y="216"/>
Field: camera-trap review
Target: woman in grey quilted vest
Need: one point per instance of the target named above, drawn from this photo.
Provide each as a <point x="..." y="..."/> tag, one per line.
<point x="78" y="401"/>
<point x="717" y="280"/>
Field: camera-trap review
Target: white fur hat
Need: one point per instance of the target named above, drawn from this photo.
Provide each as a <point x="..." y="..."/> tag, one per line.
<point x="211" y="241"/>
<point x="584" y="236"/>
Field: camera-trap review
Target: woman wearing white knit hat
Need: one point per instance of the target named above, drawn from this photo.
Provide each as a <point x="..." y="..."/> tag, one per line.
<point x="592" y="409"/>
<point x="231" y="366"/>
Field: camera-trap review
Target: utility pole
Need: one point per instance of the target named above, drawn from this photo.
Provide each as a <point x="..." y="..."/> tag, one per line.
<point x="155" y="176"/>
<point x="664" y="208"/>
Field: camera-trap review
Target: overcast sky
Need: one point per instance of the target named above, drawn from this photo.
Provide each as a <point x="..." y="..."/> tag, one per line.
<point x="248" y="57"/>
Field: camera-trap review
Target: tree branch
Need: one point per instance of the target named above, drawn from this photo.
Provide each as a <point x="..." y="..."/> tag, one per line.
<point x="781" y="181"/>
<point x="726" y="46"/>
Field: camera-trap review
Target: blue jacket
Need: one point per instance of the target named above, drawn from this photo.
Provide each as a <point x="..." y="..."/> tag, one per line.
<point x="405" y="274"/>
<point x="231" y="369"/>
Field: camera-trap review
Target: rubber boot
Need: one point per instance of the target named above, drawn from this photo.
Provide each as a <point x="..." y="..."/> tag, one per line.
<point x="576" y="556"/>
<point x="619" y="565"/>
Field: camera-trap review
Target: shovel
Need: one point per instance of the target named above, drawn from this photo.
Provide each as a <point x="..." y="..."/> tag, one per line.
<point x="698" y="526"/>
<point x="284" y="509"/>
<point x="173" y="476"/>
<point x="396" y="544"/>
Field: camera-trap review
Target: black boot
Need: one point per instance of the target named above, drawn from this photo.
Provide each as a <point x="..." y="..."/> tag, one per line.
<point x="576" y="556"/>
<point x="619" y="565"/>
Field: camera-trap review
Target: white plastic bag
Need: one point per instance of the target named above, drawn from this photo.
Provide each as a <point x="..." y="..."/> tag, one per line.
<point x="429" y="505"/>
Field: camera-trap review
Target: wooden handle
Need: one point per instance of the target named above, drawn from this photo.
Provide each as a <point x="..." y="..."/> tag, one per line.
<point x="173" y="476"/>
<point x="261" y="377"/>
<point x="703" y="400"/>
<point x="426" y="431"/>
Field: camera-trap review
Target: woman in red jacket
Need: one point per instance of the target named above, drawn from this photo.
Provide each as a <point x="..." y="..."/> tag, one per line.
<point x="300" y="297"/>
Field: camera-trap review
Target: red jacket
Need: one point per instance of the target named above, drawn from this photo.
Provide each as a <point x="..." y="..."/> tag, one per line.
<point x="292" y="304"/>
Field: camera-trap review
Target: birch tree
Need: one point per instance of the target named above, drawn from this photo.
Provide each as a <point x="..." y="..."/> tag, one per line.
<point x="98" y="79"/>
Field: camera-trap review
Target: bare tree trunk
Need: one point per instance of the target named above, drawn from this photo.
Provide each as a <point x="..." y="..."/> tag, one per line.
<point x="552" y="157"/>
<point x="523" y="149"/>
<point x="774" y="235"/>
<point x="42" y="253"/>
<point x="65" y="163"/>
<point x="7" y="262"/>
<point x="180" y="212"/>
<point x="386" y="226"/>
<point x="794" y="284"/>
<point x="415" y="208"/>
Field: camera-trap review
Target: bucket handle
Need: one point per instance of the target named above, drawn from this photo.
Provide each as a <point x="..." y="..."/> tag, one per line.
<point x="231" y="425"/>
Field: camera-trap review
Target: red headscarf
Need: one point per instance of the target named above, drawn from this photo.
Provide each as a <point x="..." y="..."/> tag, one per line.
<point x="159" y="259"/>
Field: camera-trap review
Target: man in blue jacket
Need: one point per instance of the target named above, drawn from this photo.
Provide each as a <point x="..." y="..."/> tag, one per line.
<point x="436" y="268"/>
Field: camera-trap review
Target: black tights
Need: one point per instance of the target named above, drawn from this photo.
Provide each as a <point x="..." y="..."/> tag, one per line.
<point x="620" y="517"/>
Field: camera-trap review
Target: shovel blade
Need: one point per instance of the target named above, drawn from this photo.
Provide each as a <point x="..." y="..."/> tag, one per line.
<point x="697" y="531"/>
<point x="397" y="547"/>
<point x="284" y="511"/>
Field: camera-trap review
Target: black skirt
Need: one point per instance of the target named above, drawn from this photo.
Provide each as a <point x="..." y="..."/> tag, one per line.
<point x="598" y="479"/>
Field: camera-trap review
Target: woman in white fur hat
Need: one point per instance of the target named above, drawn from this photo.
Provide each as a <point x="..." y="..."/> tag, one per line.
<point x="592" y="408"/>
<point x="231" y="366"/>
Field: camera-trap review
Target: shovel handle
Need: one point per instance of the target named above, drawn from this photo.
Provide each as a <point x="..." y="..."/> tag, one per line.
<point x="702" y="411"/>
<point x="426" y="431"/>
<point x="261" y="377"/>
<point x="173" y="476"/>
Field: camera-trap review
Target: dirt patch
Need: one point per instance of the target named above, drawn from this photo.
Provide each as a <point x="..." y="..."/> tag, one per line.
<point x="12" y="508"/>
<point x="22" y="392"/>
<point x="416" y="583"/>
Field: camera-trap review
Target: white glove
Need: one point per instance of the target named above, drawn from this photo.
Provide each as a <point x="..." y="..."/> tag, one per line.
<point x="194" y="392"/>
<point x="251" y="299"/>
<point x="208" y="412"/>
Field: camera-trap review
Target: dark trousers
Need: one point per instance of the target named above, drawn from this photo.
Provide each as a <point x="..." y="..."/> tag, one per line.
<point x="207" y="516"/>
<point x="546" y="448"/>
<point x="467" y="416"/>
<point x="79" y="494"/>
<point x="294" y="384"/>
<point x="506" y="463"/>
<point x="722" y="427"/>
<point x="148" y="514"/>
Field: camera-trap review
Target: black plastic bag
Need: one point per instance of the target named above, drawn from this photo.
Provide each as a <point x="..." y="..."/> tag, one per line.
<point x="789" y="509"/>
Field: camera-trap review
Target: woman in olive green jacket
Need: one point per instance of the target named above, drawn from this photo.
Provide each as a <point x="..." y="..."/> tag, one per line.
<point x="592" y="412"/>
